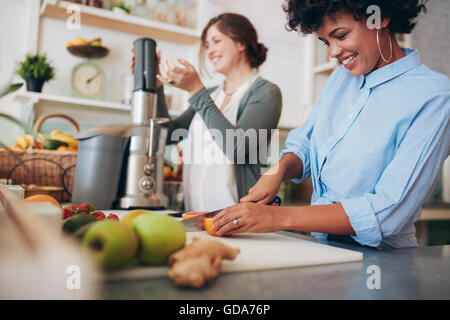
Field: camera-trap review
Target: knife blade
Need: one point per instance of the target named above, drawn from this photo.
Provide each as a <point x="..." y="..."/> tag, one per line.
<point x="196" y="223"/>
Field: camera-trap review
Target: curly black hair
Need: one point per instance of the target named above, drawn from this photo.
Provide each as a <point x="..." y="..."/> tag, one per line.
<point x="306" y="16"/>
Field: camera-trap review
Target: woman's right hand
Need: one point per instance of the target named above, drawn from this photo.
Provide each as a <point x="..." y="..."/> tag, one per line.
<point x="266" y="188"/>
<point x="158" y="59"/>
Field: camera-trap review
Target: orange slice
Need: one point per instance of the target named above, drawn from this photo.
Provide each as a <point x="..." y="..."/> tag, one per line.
<point x="208" y="223"/>
<point x="42" y="198"/>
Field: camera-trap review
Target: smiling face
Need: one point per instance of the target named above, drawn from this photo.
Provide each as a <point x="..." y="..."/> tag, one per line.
<point x="352" y="43"/>
<point x="222" y="51"/>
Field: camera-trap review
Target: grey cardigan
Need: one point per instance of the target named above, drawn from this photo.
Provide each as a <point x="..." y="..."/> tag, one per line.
<point x="259" y="108"/>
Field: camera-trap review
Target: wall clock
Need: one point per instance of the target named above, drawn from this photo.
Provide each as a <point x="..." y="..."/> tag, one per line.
<point x="88" y="81"/>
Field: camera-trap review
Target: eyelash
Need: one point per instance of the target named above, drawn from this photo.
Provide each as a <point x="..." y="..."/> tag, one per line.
<point x="341" y="37"/>
<point x="215" y="42"/>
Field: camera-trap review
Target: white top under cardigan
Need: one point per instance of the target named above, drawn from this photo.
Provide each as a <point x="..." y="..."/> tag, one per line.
<point x="208" y="175"/>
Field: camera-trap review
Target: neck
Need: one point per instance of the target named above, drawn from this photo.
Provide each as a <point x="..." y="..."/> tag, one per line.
<point x="236" y="76"/>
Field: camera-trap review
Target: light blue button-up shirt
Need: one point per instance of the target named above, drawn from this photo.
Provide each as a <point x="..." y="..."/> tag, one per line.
<point x="375" y="144"/>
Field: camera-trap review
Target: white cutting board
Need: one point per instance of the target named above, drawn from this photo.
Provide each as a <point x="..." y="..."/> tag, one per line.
<point x="259" y="251"/>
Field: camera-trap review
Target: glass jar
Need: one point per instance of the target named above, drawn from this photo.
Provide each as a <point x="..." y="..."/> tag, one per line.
<point x="161" y="11"/>
<point x="181" y="11"/>
<point x="95" y="3"/>
<point x="140" y="9"/>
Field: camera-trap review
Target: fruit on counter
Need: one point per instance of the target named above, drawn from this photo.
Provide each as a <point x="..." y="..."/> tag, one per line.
<point x="191" y="214"/>
<point x="113" y="217"/>
<point x="159" y="236"/>
<point x="42" y="198"/>
<point x="75" y="222"/>
<point x="67" y="213"/>
<point x="72" y="209"/>
<point x="87" y="208"/>
<point x="96" y="44"/>
<point x="99" y="215"/>
<point x="208" y="223"/>
<point x="130" y="216"/>
<point x="113" y="245"/>
<point x="199" y="262"/>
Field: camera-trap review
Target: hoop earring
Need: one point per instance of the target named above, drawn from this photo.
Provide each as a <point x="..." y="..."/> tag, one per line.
<point x="379" y="48"/>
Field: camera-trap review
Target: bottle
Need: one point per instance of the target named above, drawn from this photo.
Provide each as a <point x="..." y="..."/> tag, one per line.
<point x="181" y="12"/>
<point x="140" y="9"/>
<point x="127" y="80"/>
<point x="161" y="11"/>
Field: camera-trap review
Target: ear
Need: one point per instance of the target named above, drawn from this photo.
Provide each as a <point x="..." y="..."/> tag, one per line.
<point x="385" y="22"/>
<point x="241" y="47"/>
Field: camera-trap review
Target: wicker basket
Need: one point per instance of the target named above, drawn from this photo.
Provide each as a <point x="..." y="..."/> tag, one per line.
<point x="41" y="171"/>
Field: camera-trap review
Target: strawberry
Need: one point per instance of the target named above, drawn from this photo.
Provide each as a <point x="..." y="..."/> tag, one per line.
<point x="67" y="213"/>
<point x="87" y="207"/>
<point x="112" y="216"/>
<point x="99" y="215"/>
<point x="74" y="209"/>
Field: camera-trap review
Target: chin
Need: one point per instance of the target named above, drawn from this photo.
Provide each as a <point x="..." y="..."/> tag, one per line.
<point x="219" y="70"/>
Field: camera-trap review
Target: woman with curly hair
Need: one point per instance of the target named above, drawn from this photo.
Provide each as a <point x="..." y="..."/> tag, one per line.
<point x="374" y="142"/>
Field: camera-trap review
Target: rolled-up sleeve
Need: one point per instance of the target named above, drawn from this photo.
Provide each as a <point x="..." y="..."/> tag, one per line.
<point x="407" y="179"/>
<point x="298" y="143"/>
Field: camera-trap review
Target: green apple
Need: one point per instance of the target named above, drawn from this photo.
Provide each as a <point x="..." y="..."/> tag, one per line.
<point x="96" y="43"/>
<point x="112" y="244"/>
<point x="159" y="236"/>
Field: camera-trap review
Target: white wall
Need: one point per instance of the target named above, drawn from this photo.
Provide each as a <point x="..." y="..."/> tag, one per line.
<point x="16" y="40"/>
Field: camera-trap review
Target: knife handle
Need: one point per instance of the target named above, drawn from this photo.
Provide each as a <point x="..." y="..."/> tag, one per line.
<point x="276" y="200"/>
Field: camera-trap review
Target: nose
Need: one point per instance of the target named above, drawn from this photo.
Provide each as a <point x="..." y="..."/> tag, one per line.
<point x="334" y="51"/>
<point x="210" y="51"/>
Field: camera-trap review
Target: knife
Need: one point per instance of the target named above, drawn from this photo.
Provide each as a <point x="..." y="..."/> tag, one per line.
<point x="196" y="223"/>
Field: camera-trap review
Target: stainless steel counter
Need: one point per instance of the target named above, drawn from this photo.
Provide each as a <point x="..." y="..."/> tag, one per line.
<point x="417" y="273"/>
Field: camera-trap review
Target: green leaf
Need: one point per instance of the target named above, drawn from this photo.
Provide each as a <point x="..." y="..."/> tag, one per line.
<point x="10" y="88"/>
<point x="51" y="144"/>
<point x="36" y="67"/>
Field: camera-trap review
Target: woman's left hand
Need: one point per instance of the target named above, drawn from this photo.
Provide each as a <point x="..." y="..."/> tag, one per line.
<point x="251" y="217"/>
<point x="185" y="78"/>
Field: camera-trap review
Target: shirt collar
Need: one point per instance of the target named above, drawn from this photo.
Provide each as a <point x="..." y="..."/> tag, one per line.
<point x="389" y="72"/>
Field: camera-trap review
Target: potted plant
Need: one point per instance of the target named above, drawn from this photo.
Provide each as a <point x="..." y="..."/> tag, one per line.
<point x="35" y="70"/>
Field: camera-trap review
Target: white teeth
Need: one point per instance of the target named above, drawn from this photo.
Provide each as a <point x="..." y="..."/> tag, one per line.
<point x="347" y="61"/>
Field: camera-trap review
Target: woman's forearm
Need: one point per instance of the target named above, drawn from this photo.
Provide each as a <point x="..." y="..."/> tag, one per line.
<point x="290" y="166"/>
<point x="330" y="219"/>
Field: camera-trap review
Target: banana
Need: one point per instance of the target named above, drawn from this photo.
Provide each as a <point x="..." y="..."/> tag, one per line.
<point x="21" y="143"/>
<point x="68" y="138"/>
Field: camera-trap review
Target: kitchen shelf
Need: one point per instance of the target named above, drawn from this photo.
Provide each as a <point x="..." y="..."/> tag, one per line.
<point x="36" y="97"/>
<point x="108" y="19"/>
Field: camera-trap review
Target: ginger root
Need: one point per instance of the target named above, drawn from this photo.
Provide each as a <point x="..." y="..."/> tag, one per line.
<point x="199" y="262"/>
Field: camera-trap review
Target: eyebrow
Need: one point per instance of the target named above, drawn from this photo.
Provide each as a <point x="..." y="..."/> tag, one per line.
<point x="331" y="34"/>
<point x="213" y="37"/>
